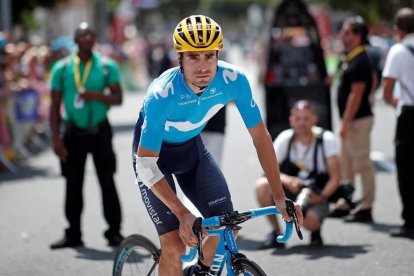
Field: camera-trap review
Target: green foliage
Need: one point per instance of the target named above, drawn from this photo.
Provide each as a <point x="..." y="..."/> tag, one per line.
<point x="28" y="20"/>
<point x="371" y="10"/>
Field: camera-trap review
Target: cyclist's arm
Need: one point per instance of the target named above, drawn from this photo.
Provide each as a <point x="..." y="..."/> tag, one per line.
<point x="166" y="194"/>
<point x="267" y="157"/>
<point x="163" y="190"/>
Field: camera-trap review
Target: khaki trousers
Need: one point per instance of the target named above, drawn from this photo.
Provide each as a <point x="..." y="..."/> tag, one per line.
<point x="355" y="159"/>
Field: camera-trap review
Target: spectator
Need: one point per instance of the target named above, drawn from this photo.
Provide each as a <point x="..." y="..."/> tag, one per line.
<point x="355" y="86"/>
<point x="80" y="81"/>
<point x="398" y="68"/>
<point x="305" y="152"/>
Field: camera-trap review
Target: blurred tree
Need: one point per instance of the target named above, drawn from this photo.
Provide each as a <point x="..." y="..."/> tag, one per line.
<point x="372" y="10"/>
<point x="22" y="10"/>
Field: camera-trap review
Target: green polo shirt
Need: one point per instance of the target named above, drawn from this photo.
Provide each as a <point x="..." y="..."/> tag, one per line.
<point x="104" y="72"/>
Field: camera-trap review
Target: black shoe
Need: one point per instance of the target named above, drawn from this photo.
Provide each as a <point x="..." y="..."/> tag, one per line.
<point x="66" y="242"/>
<point x="316" y="238"/>
<point x="192" y="271"/>
<point x="114" y="239"/>
<point x="189" y="270"/>
<point x="271" y="242"/>
<point x="339" y="213"/>
<point x="362" y="215"/>
<point x="402" y="232"/>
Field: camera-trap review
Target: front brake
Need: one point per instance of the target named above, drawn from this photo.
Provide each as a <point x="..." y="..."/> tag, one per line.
<point x="290" y="208"/>
<point x="197" y="231"/>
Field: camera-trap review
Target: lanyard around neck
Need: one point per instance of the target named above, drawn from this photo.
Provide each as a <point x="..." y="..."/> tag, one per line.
<point x="80" y="82"/>
<point x="354" y="52"/>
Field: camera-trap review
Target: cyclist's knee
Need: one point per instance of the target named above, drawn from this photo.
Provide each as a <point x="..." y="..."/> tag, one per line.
<point x="172" y="246"/>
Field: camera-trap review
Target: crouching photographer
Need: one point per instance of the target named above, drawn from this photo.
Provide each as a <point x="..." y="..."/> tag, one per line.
<point x="309" y="170"/>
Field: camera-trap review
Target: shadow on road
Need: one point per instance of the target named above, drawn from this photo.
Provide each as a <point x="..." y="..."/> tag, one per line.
<point x="94" y="254"/>
<point x="24" y="172"/>
<point x="331" y="250"/>
<point x="312" y="252"/>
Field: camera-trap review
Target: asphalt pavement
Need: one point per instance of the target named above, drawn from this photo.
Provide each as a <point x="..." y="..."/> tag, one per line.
<point x="32" y="211"/>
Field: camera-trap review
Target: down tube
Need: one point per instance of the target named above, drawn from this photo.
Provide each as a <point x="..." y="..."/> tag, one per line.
<point x="222" y="255"/>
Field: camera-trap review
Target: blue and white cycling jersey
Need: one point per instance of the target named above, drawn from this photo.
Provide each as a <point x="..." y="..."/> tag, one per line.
<point x="173" y="113"/>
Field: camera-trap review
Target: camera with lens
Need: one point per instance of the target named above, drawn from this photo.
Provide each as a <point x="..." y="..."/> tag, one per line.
<point x="345" y="191"/>
<point x="304" y="197"/>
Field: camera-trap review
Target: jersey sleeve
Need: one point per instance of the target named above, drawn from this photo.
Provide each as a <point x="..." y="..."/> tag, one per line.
<point x="157" y="107"/>
<point x="56" y="81"/>
<point x="245" y="103"/>
<point x="114" y="75"/>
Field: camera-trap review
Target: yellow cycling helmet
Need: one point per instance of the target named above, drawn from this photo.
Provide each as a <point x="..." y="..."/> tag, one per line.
<point x="197" y="33"/>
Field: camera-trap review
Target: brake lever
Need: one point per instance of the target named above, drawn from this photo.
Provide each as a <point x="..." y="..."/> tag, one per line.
<point x="197" y="231"/>
<point x="290" y="207"/>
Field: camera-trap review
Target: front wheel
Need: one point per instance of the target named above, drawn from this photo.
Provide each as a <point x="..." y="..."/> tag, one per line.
<point x="137" y="256"/>
<point x="248" y="268"/>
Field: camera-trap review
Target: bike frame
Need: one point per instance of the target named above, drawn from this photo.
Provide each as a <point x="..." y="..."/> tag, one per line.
<point x="227" y="250"/>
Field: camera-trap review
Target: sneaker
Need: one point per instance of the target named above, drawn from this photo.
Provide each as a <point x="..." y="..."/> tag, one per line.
<point x="114" y="239"/>
<point x="362" y="215"/>
<point x="316" y="238"/>
<point x="271" y="242"/>
<point x="339" y="213"/>
<point x="66" y="242"/>
<point x="402" y="232"/>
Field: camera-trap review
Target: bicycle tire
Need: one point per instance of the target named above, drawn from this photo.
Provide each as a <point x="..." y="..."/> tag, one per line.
<point x="249" y="268"/>
<point x="137" y="256"/>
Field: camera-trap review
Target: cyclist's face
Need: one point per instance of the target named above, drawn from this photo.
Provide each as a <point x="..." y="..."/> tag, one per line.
<point x="199" y="68"/>
<point x="302" y="121"/>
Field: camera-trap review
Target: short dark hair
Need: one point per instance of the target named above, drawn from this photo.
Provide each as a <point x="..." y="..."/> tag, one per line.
<point x="359" y="27"/>
<point x="404" y="20"/>
<point x="84" y="28"/>
<point x="302" y="105"/>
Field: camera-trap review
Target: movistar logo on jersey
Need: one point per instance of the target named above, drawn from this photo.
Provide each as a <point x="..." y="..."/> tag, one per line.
<point x="188" y="126"/>
<point x="229" y="75"/>
<point x="163" y="92"/>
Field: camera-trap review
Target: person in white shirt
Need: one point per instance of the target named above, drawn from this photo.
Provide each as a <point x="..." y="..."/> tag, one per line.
<point x="307" y="154"/>
<point x="398" y="69"/>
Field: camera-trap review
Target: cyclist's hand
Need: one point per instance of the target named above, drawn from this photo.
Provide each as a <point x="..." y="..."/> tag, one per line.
<point x="281" y="206"/>
<point x="186" y="230"/>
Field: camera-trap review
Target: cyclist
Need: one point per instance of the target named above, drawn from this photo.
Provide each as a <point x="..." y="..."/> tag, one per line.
<point x="177" y="106"/>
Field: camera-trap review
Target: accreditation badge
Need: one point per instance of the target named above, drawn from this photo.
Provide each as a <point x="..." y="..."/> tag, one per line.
<point x="79" y="102"/>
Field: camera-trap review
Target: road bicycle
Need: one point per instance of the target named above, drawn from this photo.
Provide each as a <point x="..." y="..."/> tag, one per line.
<point x="138" y="256"/>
